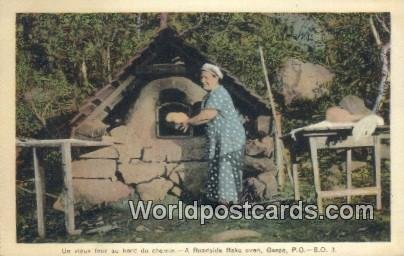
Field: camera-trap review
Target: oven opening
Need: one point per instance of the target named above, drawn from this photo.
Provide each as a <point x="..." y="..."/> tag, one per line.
<point x="172" y="100"/>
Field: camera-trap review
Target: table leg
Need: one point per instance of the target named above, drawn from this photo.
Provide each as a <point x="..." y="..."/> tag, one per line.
<point x="68" y="193"/>
<point x="40" y="199"/>
<point x="349" y="172"/>
<point x="377" y="167"/>
<point x="295" y="174"/>
<point x="296" y="181"/>
<point x="316" y="172"/>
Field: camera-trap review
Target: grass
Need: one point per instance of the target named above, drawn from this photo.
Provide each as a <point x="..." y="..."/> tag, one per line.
<point x="165" y="231"/>
<point x="176" y="231"/>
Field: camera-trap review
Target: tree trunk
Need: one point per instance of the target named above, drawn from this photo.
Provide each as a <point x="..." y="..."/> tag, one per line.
<point x="75" y="98"/>
<point x="84" y="72"/>
<point x="138" y="25"/>
<point x="385" y="67"/>
<point x="163" y="20"/>
<point x="109" y="64"/>
<point x="385" y="75"/>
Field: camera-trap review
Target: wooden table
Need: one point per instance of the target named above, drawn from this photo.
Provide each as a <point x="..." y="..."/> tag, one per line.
<point x="65" y="147"/>
<point x="337" y="138"/>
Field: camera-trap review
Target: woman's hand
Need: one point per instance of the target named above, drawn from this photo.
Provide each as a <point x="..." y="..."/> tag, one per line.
<point x="180" y="119"/>
<point x="184" y="121"/>
<point x="184" y="126"/>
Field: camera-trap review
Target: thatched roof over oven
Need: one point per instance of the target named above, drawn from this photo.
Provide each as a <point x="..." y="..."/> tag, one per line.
<point x="166" y="55"/>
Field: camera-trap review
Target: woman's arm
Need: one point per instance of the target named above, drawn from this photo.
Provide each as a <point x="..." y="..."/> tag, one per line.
<point x="202" y="118"/>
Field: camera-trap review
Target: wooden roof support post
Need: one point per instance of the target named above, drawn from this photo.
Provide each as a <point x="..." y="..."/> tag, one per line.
<point x="40" y="199"/>
<point x="68" y="190"/>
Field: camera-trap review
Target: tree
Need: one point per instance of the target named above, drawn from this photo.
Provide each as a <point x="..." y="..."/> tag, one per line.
<point x="67" y="56"/>
<point x="71" y="55"/>
<point x="384" y="49"/>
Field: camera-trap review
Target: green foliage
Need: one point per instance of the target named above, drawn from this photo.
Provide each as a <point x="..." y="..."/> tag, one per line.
<point x="72" y="55"/>
<point x="190" y="231"/>
<point x="63" y="58"/>
<point x="233" y="39"/>
<point x="353" y="55"/>
<point x="27" y="124"/>
<point x="40" y="96"/>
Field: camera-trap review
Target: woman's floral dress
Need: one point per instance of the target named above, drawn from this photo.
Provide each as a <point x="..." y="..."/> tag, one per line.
<point x="226" y="141"/>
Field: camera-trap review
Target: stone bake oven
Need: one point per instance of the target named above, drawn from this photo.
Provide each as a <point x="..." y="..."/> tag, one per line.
<point x="150" y="159"/>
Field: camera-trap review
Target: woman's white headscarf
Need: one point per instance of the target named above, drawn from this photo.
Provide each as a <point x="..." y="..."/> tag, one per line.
<point x="215" y="70"/>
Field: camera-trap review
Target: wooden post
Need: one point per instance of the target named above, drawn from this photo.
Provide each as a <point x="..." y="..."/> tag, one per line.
<point x="65" y="146"/>
<point x="68" y="190"/>
<point x="316" y="172"/>
<point x="377" y="168"/>
<point x="349" y="172"/>
<point x="40" y="199"/>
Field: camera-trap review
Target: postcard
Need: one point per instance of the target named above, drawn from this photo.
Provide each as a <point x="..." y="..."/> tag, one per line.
<point x="201" y="128"/>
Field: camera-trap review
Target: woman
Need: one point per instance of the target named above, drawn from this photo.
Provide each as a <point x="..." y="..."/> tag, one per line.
<point x="226" y="138"/>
